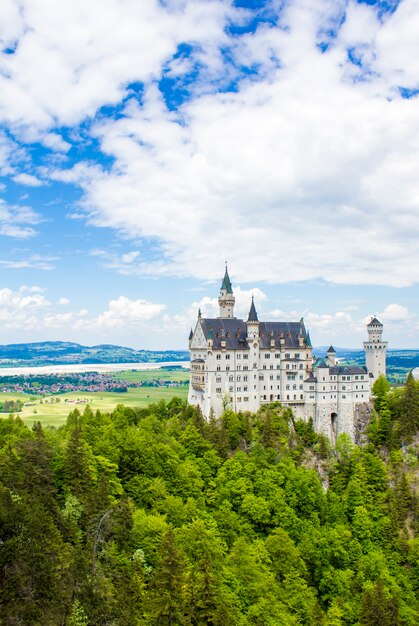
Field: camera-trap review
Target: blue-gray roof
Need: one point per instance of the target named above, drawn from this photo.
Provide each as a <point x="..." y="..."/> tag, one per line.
<point x="374" y="322"/>
<point x="348" y="369"/>
<point x="226" y="284"/>
<point x="253" y="316"/>
<point x="234" y="332"/>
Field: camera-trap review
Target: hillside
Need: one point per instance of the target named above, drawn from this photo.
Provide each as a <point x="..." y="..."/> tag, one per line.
<point x="151" y="516"/>
<point x="62" y="352"/>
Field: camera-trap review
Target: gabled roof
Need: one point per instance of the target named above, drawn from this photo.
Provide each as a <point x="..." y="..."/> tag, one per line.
<point x="226" y="284"/>
<point x="374" y="322"/>
<point x="253" y="316"/>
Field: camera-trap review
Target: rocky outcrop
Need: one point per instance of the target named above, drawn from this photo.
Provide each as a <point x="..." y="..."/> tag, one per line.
<point x="362" y="418"/>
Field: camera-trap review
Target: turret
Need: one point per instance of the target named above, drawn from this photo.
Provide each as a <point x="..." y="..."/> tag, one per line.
<point x="375" y="330"/>
<point x="252" y="322"/>
<point x="331" y="355"/>
<point x="375" y="349"/>
<point x="226" y="298"/>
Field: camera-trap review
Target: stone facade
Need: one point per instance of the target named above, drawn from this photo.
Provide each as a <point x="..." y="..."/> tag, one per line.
<point x="375" y="349"/>
<point x="244" y="364"/>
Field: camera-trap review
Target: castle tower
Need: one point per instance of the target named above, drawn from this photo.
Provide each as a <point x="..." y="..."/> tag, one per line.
<point x="331" y="355"/>
<point x="226" y="298"/>
<point x="253" y="322"/>
<point x="375" y="349"/>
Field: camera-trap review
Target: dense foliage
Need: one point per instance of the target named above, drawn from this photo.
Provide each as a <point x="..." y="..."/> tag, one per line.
<point x="155" y="516"/>
<point x="11" y="406"/>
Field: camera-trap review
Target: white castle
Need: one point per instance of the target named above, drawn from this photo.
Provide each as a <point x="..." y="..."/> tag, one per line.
<point x="242" y="365"/>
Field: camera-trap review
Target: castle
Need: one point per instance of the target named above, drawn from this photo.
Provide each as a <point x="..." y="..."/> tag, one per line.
<point x="244" y="364"/>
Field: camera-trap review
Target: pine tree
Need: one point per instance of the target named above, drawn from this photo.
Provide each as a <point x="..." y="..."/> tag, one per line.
<point x="166" y="600"/>
<point x="378" y="608"/>
<point x="408" y="409"/>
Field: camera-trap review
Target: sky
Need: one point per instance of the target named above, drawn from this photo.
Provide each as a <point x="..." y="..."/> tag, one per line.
<point x="143" y="143"/>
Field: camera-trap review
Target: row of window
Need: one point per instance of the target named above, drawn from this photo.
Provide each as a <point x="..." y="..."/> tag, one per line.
<point x="267" y="355"/>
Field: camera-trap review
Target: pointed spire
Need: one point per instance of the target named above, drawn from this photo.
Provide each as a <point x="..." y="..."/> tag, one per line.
<point x="253" y="316"/>
<point x="331" y="350"/>
<point x="190" y="335"/>
<point x="308" y="341"/>
<point x="226" y="284"/>
<point x="374" y="322"/>
<point x="199" y="313"/>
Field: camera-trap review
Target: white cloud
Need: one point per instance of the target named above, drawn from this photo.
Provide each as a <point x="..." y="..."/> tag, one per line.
<point x="305" y="174"/>
<point x="27" y="308"/>
<point x="307" y="171"/>
<point x="15" y="221"/>
<point x="395" y="313"/>
<point x="20" y="309"/>
<point x="34" y="261"/>
<point x="27" y="179"/>
<point x="70" y="58"/>
<point x="321" y="324"/>
<point x="129" y="257"/>
<point x="125" y="311"/>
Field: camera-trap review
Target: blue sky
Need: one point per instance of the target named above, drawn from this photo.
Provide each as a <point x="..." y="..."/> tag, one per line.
<point x="144" y="143"/>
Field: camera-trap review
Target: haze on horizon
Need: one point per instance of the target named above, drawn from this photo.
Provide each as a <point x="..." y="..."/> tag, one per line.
<point x="142" y="144"/>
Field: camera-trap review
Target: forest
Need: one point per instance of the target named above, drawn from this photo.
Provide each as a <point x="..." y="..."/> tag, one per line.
<point x="155" y="516"/>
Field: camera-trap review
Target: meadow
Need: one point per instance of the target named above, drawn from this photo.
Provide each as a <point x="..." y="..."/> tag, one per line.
<point x="172" y="375"/>
<point x="52" y="413"/>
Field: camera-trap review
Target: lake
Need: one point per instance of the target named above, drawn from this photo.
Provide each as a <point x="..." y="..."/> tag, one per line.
<point x="87" y="367"/>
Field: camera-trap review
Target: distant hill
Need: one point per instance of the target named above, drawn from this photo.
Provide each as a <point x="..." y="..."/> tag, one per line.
<point x="399" y="362"/>
<point x="64" y="352"/>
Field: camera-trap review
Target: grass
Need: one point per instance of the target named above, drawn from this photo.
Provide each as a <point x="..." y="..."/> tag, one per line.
<point x="55" y="414"/>
<point x="150" y="375"/>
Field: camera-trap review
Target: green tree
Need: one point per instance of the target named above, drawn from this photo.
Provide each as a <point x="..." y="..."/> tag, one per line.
<point x="166" y="602"/>
<point x="408" y="409"/>
<point x="379" y="608"/>
<point x="379" y="390"/>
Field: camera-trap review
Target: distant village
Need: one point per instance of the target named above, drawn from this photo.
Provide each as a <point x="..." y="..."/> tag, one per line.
<point x="51" y="384"/>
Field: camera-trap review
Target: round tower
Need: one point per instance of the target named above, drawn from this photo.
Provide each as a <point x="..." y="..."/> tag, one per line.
<point x="226" y="298"/>
<point x="375" y="349"/>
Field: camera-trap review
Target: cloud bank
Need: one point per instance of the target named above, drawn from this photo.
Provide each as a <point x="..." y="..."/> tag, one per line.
<point x="294" y="149"/>
<point x="308" y="172"/>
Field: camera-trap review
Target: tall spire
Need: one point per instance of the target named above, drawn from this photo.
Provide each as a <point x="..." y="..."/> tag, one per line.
<point x="308" y="341"/>
<point x="226" y="298"/>
<point x="253" y="316"/>
<point x="226" y="284"/>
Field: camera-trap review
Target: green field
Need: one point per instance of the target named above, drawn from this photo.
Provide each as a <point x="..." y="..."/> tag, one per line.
<point x="150" y="375"/>
<point x="55" y="413"/>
